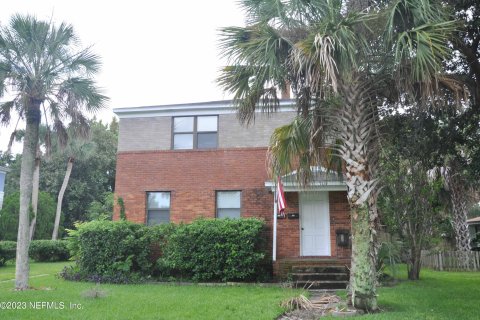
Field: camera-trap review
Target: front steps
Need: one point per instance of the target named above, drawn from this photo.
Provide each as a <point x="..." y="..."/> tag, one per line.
<point x="320" y="277"/>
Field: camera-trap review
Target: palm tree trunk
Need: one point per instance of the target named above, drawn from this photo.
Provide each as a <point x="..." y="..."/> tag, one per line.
<point x="459" y="219"/>
<point x="60" y="198"/>
<point x="356" y="134"/>
<point x="458" y="202"/>
<point x="30" y="141"/>
<point x="35" y="182"/>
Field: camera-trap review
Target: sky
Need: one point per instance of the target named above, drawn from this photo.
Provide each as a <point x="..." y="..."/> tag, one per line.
<point x="153" y="52"/>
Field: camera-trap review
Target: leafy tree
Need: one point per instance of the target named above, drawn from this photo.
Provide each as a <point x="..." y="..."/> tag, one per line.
<point x="411" y="201"/>
<point x="10" y="213"/>
<point x="101" y="209"/>
<point x="43" y="69"/>
<point x="92" y="175"/>
<point x="474" y="211"/>
<point x="462" y="166"/>
<point x="466" y="61"/>
<point x="343" y="61"/>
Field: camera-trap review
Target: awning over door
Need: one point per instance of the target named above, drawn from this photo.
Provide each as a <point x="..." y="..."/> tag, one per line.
<point x="322" y="180"/>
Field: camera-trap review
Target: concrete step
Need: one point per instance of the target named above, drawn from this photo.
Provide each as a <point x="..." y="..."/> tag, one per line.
<point x="336" y="276"/>
<point x="319" y="269"/>
<point x="329" y="284"/>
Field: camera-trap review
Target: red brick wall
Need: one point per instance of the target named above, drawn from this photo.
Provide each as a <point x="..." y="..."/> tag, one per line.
<point x="193" y="176"/>
<point x="339" y="220"/>
<point x="288" y="230"/>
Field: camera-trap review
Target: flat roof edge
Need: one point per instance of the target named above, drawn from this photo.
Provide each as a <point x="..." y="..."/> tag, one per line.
<point x="222" y="106"/>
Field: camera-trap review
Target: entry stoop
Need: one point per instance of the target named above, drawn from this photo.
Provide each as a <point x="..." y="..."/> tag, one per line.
<point x="320" y="277"/>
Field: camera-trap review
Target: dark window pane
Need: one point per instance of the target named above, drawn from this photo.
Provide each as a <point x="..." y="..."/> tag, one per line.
<point x="183" y="141"/>
<point x="158" y="217"/>
<point x="207" y="140"/>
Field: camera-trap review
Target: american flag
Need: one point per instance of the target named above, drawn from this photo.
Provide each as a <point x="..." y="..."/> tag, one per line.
<point x="282" y="204"/>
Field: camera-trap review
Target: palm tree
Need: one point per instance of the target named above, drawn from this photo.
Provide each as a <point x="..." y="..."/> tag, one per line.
<point x="343" y="62"/>
<point x="18" y="136"/>
<point x="76" y="148"/>
<point x="42" y="70"/>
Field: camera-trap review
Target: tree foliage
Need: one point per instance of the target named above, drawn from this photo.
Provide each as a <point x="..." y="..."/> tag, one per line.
<point x="92" y="178"/>
<point x="413" y="201"/>
<point x="9" y="216"/>
<point x="344" y="60"/>
<point x="44" y="71"/>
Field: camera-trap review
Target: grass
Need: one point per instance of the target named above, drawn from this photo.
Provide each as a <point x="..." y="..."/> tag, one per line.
<point x="142" y="301"/>
<point x="437" y="295"/>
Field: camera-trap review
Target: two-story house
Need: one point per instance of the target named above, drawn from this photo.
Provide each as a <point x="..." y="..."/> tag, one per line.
<point x="180" y="162"/>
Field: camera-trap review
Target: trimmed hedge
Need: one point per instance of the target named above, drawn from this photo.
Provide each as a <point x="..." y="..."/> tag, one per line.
<point x="106" y="249"/>
<point x="49" y="250"/>
<point x="39" y="250"/>
<point x="215" y="250"/>
<point x="8" y="250"/>
<point x="123" y="252"/>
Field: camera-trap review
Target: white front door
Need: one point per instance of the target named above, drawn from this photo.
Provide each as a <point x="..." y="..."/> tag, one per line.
<point x="314" y="224"/>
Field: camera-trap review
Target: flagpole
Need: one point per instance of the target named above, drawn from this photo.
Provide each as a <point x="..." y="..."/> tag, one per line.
<point x="274" y="249"/>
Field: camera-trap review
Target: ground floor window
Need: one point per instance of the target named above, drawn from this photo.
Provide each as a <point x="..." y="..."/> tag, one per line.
<point x="158" y="208"/>
<point x="228" y="204"/>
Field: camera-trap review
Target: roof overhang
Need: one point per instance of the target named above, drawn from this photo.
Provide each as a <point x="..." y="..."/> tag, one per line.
<point x="4" y="169"/>
<point x="322" y="179"/>
<point x="473" y="221"/>
<point x="313" y="186"/>
<point x="190" y="109"/>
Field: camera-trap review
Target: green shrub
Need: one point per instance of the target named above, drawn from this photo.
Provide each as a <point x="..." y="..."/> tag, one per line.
<point x="111" y="248"/>
<point x="8" y="250"/>
<point x="218" y="250"/>
<point x="9" y="217"/>
<point x="49" y="250"/>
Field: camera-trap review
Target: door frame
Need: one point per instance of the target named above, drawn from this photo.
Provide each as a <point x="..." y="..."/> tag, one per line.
<point x="323" y="196"/>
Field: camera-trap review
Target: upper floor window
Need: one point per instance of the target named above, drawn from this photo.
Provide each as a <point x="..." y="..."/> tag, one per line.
<point x="196" y="132"/>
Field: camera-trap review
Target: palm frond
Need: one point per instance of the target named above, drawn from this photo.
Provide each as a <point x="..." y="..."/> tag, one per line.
<point x="6" y="112"/>
<point x="264" y="51"/>
<point x="290" y="149"/>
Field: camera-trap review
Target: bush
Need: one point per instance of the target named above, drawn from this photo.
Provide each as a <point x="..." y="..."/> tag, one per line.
<point x="9" y="217"/>
<point x="8" y="250"/>
<point x="218" y="250"/>
<point x="49" y="250"/>
<point x="106" y="249"/>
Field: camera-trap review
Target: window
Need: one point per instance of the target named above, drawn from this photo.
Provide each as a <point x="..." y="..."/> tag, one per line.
<point x="228" y="204"/>
<point x="158" y="208"/>
<point x="199" y="132"/>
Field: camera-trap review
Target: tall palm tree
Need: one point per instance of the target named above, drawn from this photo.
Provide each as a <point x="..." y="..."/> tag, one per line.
<point x="42" y="70"/>
<point x="18" y="136"/>
<point x="75" y="149"/>
<point x="343" y="60"/>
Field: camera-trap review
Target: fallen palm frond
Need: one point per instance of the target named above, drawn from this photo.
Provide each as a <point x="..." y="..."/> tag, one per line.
<point x="299" y="302"/>
<point x="324" y="302"/>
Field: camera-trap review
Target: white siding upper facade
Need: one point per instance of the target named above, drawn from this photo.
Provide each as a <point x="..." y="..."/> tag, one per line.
<point x="150" y="128"/>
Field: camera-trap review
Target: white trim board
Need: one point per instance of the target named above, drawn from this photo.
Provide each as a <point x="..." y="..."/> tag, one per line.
<point x="194" y="109"/>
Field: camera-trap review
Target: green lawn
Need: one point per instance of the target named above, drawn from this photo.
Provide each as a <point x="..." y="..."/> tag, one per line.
<point x="146" y="301"/>
<point x="438" y="295"/>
